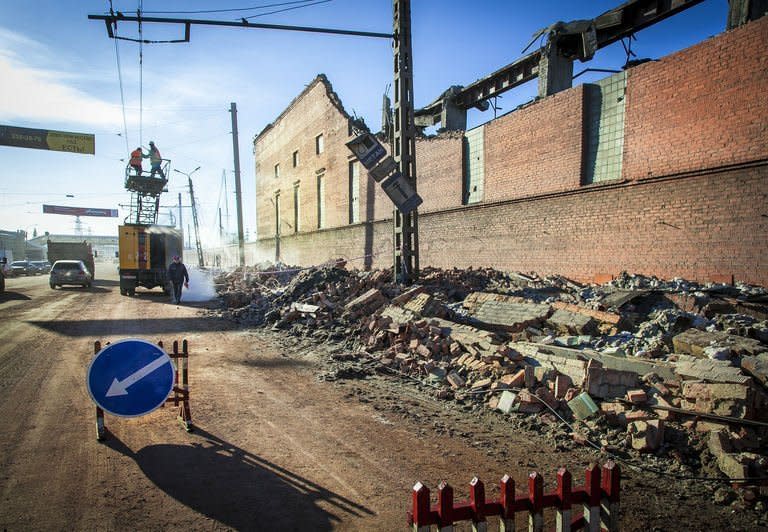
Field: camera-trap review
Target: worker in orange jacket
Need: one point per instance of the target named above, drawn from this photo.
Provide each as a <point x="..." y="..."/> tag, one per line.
<point x="135" y="162"/>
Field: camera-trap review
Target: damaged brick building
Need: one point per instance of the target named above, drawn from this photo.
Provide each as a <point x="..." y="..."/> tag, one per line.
<point x="661" y="169"/>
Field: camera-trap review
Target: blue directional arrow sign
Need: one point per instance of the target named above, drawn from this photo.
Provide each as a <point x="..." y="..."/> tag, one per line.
<point x="130" y="377"/>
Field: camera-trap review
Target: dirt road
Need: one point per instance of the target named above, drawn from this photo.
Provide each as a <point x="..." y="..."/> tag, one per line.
<point x="274" y="447"/>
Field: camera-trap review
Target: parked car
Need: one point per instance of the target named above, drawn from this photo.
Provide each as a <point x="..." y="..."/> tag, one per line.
<point x="41" y="266"/>
<point x="70" y="272"/>
<point x="21" y="267"/>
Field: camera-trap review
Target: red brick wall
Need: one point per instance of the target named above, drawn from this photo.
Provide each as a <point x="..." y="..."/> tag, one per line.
<point x="702" y="107"/>
<point x="707" y="227"/>
<point x="308" y="116"/>
<point x="700" y="228"/>
<point x="687" y="117"/>
<point x="535" y="150"/>
<point x="439" y="169"/>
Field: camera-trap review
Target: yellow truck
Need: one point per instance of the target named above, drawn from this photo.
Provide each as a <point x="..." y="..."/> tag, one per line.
<point x="145" y="253"/>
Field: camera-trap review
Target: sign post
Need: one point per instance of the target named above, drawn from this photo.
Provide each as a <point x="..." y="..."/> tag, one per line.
<point x="133" y="377"/>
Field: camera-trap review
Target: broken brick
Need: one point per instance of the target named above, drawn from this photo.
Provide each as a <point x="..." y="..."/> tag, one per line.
<point x="516" y="380"/>
<point x="455" y="380"/>
<point x="637" y="396"/>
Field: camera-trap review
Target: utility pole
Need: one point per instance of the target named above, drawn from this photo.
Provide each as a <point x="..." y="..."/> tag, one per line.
<point x="181" y="222"/>
<point x="199" y="247"/>
<point x="238" y="192"/>
<point x="402" y="46"/>
<point x="406" y="226"/>
<point x="194" y="215"/>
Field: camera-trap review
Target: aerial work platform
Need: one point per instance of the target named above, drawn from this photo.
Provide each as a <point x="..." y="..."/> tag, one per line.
<point x="144" y="184"/>
<point x="145" y="193"/>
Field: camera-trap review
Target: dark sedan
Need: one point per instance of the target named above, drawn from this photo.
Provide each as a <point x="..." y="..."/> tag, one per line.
<point x="21" y="267"/>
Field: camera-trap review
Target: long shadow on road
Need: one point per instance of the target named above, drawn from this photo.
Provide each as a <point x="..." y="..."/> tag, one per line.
<point x="10" y="296"/>
<point x="132" y="326"/>
<point x="238" y="488"/>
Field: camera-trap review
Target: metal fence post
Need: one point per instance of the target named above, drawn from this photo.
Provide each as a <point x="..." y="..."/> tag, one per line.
<point x="536" y="498"/>
<point x="563" y="517"/>
<point x="477" y="500"/>
<point x="507" y="500"/>
<point x="420" y="508"/>
<point x="592" y="506"/>
<point x="610" y="486"/>
<point x="445" y="506"/>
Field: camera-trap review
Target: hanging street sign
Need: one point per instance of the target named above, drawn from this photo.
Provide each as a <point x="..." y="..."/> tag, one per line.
<point x="47" y="139"/>
<point x="401" y="192"/>
<point x="130" y="377"/>
<point x="367" y="149"/>
<point x="79" y="211"/>
<point x="382" y="168"/>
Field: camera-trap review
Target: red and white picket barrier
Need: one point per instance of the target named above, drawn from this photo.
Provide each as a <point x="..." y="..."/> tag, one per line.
<point x="593" y="507"/>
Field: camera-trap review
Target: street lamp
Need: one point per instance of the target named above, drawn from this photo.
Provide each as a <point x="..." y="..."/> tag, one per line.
<point x="187" y="174"/>
<point x="189" y="178"/>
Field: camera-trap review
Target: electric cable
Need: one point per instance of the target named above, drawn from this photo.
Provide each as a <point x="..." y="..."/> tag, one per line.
<point x="231" y="10"/>
<point x="141" y="77"/>
<point x="120" y="80"/>
<point x="286" y="9"/>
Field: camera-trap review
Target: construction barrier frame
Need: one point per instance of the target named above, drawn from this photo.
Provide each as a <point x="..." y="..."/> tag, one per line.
<point x="599" y="499"/>
<point x="179" y="395"/>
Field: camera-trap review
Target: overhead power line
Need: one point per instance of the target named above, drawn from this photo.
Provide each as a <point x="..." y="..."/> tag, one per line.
<point x="120" y="79"/>
<point x="287" y="9"/>
<point x="229" y="10"/>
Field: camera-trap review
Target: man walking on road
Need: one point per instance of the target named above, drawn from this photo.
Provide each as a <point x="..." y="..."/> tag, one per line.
<point x="177" y="274"/>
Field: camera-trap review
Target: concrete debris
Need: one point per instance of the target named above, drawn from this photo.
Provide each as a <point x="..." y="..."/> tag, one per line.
<point x="582" y="406"/>
<point x="756" y="366"/>
<point x="510" y="317"/>
<point x="600" y="355"/>
<point x="696" y="342"/>
<point x="647" y="436"/>
<point x="710" y="370"/>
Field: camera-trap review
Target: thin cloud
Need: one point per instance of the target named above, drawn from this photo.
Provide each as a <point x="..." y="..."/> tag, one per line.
<point x="33" y="93"/>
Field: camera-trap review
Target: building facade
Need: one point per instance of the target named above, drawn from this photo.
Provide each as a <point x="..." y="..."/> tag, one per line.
<point x="661" y="170"/>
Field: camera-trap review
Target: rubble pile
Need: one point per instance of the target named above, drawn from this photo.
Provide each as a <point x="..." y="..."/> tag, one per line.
<point x="674" y="370"/>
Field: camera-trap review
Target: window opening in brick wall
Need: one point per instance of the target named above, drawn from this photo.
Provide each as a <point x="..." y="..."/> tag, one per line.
<point x="474" y="165"/>
<point x="604" y="128"/>
<point x="319" y="144"/>
<point x="354" y="192"/>
<point x="296" y="208"/>
<point x="277" y="170"/>
<point x="320" y="201"/>
<point x="277" y="213"/>
<point x="296" y="158"/>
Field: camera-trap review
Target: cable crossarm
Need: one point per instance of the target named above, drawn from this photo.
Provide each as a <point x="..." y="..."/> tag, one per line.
<point x="112" y="20"/>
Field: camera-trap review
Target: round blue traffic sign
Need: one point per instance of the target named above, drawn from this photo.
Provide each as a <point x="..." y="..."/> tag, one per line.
<point x="130" y="377"/>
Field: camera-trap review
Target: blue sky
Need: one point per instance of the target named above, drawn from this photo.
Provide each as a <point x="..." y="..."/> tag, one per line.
<point x="59" y="71"/>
